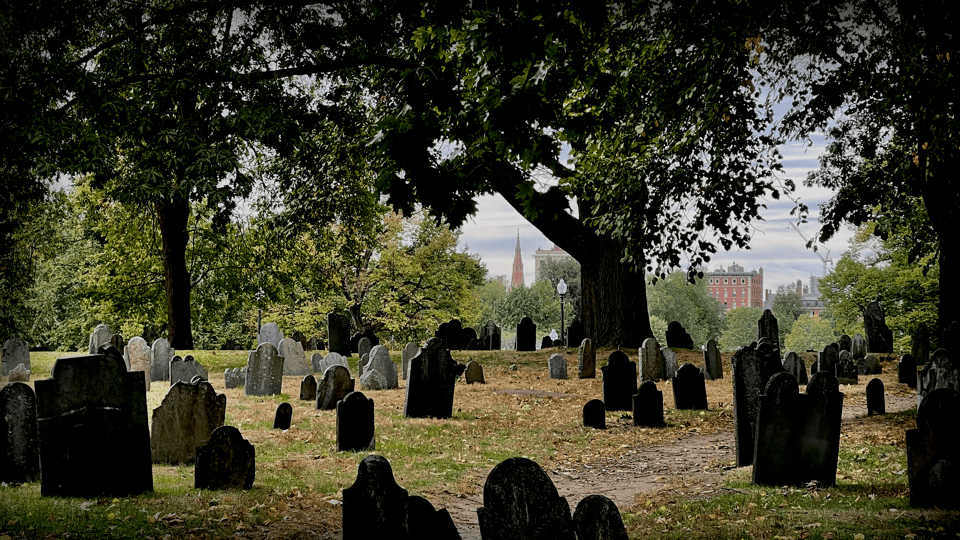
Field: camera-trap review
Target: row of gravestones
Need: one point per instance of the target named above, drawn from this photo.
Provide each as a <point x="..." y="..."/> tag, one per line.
<point x="519" y="501"/>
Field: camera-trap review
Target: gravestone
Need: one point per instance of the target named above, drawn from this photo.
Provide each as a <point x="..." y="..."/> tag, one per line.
<point x="678" y="337"/>
<point x="907" y="371"/>
<point x="366" y="333"/>
<point x="270" y="333"/>
<point x="15" y="351"/>
<point x="364" y="346"/>
<point x="940" y="372"/>
<point x="689" y="388"/>
<point x="431" y="383"/>
<point x="520" y="501"/>
<point x="334" y="386"/>
<point x="226" y="461"/>
<point x="409" y="351"/>
<point x="373" y="380"/>
<point x="598" y="518"/>
<point x="796" y="367"/>
<point x="869" y="365"/>
<point x="933" y="451"/>
<point x="184" y="421"/>
<point x="669" y="362"/>
<point x="283" y="417"/>
<point x="19" y="441"/>
<point x="338" y="333"/>
<point x="308" y="388"/>
<point x="712" y="361"/>
<point x="774" y="461"/>
<point x="424" y="521"/>
<point x="333" y="359"/>
<point x="619" y="382"/>
<point x="652" y="366"/>
<point x="586" y="360"/>
<point x="161" y="353"/>
<point x="879" y="335"/>
<point x="546" y="342"/>
<point x="474" y="373"/>
<point x="920" y="345"/>
<point x="751" y="368"/>
<point x="769" y="329"/>
<point x="648" y="406"/>
<point x="526" y="335"/>
<point x="137" y="356"/>
<point x="374" y="506"/>
<point x="380" y="362"/>
<point x="819" y="441"/>
<point x="847" y="372"/>
<point x="314" y="344"/>
<point x="827" y="360"/>
<point x="235" y="377"/>
<point x="355" y="424"/>
<point x="264" y="372"/>
<point x="19" y="374"/>
<point x="575" y="332"/>
<point x="294" y="360"/>
<point x="845" y="344"/>
<point x="469" y="340"/>
<point x="101" y="336"/>
<point x="315" y="360"/>
<point x="876" y="402"/>
<point x="491" y="336"/>
<point x="185" y="369"/>
<point x="91" y="418"/>
<point x="301" y="339"/>
<point x="858" y="346"/>
<point x="595" y="414"/>
<point x="117" y="341"/>
<point x="557" y="366"/>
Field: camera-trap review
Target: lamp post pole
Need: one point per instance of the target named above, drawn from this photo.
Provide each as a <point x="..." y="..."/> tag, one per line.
<point x="562" y="291"/>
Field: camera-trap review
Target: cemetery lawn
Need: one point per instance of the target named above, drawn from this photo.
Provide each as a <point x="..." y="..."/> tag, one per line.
<point x="674" y="482"/>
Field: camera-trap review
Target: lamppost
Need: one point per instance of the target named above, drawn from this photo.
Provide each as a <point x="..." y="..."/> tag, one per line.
<point x="562" y="291"/>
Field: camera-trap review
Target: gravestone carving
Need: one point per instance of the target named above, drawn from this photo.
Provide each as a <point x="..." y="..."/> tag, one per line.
<point x="184" y="421"/>
<point x="769" y="329"/>
<point x="678" y="337"/>
<point x="907" y="371"/>
<point x="334" y="386"/>
<point x="308" y="388"/>
<point x="264" y="372"/>
<point x="294" y="359"/>
<point x="19" y="441"/>
<point x="858" y="346"/>
<point x="595" y="414"/>
<point x="940" y="372"/>
<point x="557" y="366"/>
<point x="796" y="367"/>
<point x="751" y="368"/>
<point x="101" y="336"/>
<point x="669" y="363"/>
<point x="586" y="360"/>
<point x="226" y="461"/>
<point x="374" y="506"/>
<point x="431" y="383"/>
<point x="648" y="406"/>
<point x="652" y="362"/>
<point x="185" y="369"/>
<point x="619" y="382"/>
<point x="137" y="356"/>
<point x="270" y="333"/>
<point x="879" y="335"/>
<point x="526" y="335"/>
<point x="933" y="451"/>
<point x="355" y="424"/>
<point x="689" y="388"/>
<point x="598" y="518"/>
<point x="575" y="332"/>
<point x="474" y="373"/>
<point x="338" y="333"/>
<point x="234" y="377"/>
<point x="712" y="361"/>
<point x="283" y="417"/>
<point x="520" y="501"/>
<point x="876" y="402"/>
<point x="15" y="351"/>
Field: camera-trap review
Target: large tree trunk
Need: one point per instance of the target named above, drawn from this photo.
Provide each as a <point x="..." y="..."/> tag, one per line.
<point x="173" y="216"/>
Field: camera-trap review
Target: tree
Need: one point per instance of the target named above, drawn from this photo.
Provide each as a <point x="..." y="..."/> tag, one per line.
<point x="567" y="269"/>
<point x="539" y="301"/>
<point x="787" y="308"/>
<point x="741" y="329"/>
<point x="676" y="299"/>
<point x="810" y="334"/>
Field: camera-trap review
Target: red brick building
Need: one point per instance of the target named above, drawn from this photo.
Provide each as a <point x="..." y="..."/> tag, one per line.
<point x="735" y="287"/>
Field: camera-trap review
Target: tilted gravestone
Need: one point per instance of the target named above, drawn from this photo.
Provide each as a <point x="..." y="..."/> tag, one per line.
<point x="796" y="367"/>
<point x="869" y="365"/>
<point x="283" y="416"/>
<point x="619" y="382"/>
<point x="526" y="335"/>
<point x="670" y="363"/>
<point x="940" y="372"/>
<point x="185" y="369"/>
<point x="234" y="377"/>
<point x="751" y="368"/>
<point x="364" y="346"/>
<point x="879" y="335"/>
<point x="264" y="372"/>
<point x="338" y="333"/>
<point x="308" y="388"/>
<point x="161" y="353"/>
<point x="546" y="342"/>
<point x="19" y="441"/>
<point x="381" y="363"/>
<point x="19" y="374"/>
<point x="557" y="366"/>
<point x="409" y="351"/>
<point x="876" y="402"/>
<point x="648" y="406"/>
<point x="678" y="337"/>
<point x="184" y="421"/>
<point x="907" y="371"/>
<point x="575" y="332"/>
<point x="845" y="343"/>
<point x="355" y="424"/>
<point x="101" y="336"/>
<point x="15" y="351"/>
<point x="767" y="327"/>
<point x="334" y="386"/>
<point x="137" y="356"/>
<point x="933" y="451"/>
<point x="373" y="380"/>
<point x="270" y="333"/>
<point x="374" y="506"/>
<point x="474" y="373"/>
<point x="652" y="366"/>
<point x="294" y="360"/>
<point x="91" y="418"/>
<point x="598" y="518"/>
<point x="595" y="414"/>
<point x="226" y="461"/>
<point x="689" y="388"/>
<point x="520" y="501"/>
<point x="858" y="346"/>
<point x="431" y="383"/>
<point x="424" y="521"/>
<point x="586" y="360"/>
<point x="712" y="361"/>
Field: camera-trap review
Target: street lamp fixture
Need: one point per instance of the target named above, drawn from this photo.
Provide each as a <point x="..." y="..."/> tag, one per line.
<point x="562" y="291"/>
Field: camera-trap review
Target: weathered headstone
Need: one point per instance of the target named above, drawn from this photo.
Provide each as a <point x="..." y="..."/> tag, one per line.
<point x="301" y="339"/>
<point x="598" y="518"/>
<point x="491" y="336"/>
<point x="827" y="360"/>
<point x="431" y="383"/>
<point x="575" y="333"/>
<point x="270" y="333"/>
<point x="767" y="327"/>
<point x="587" y="360"/>
<point x="355" y="424"/>
<point x="876" y="402"/>
<point x="712" y="361"/>
<point x="847" y="372"/>
<point x="796" y="367"/>
<point x="940" y="372"/>
<point x="374" y="506"/>
<point x="595" y="414"/>
<point x="161" y="353"/>
<point x="315" y="360"/>
<point x="557" y="366"/>
<point x="294" y="359"/>
<point x="308" y="388"/>
<point x="678" y="337"/>
<point x="933" y="451"/>
<point x="409" y="351"/>
<point x="364" y="346"/>
<point x="314" y="344"/>
<point x="879" y="335"/>
<point x="19" y="374"/>
<point x="652" y="366"/>
<point x="520" y="501"/>
<point x="332" y="359"/>
<point x="648" y="406"/>
<point x="907" y="371"/>
<point x="283" y="417"/>
<point x="19" y="442"/>
<point x="334" y="386"/>
<point x="819" y="440"/>
<point x="774" y="462"/>
<point x="338" y="333"/>
<point x="101" y="336"/>
<point x="137" y="356"/>
<point x="185" y="369"/>
<point x="526" y="335"/>
<point x="424" y="521"/>
<point x="264" y="372"/>
<point x="226" y="461"/>
<point x="184" y="421"/>
<point x="751" y="369"/>
<point x="91" y="418"/>
<point x="869" y="365"/>
<point x="366" y="333"/>
<point x="689" y="388"/>
<point x="380" y="362"/>
<point x="474" y="373"/>
<point x="235" y="377"/>
<point x="546" y="342"/>
<point x="920" y="345"/>
<point x="15" y="351"/>
<point x="373" y="380"/>
<point x="669" y="363"/>
<point x="858" y="346"/>
<point x="619" y="382"/>
<point x="845" y="343"/>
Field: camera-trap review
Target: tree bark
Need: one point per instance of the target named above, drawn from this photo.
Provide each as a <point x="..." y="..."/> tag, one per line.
<point x="173" y="216"/>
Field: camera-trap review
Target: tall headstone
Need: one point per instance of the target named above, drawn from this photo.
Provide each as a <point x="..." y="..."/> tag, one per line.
<point x="301" y="339"/>
<point x="161" y="353"/>
<point x="751" y="368"/>
<point x="678" y="337"/>
<point x="294" y="359"/>
<point x="598" y="518"/>
<point x="374" y="506"/>
<point x="185" y="369"/>
<point x="520" y="501"/>
<point x="101" y="336"/>
<point x="355" y="424"/>
<point x="652" y="366"/>
<point x="796" y="367"/>
<point x="270" y="333"/>
<point x="619" y="382"/>
<point x="876" y="402"/>
<point x="879" y="335"/>
<point x="933" y="451"/>
<point x="767" y="327"/>
<point x="689" y="388"/>
<point x="845" y="343"/>
<point x="907" y="371"/>
<point x="184" y="421"/>
<point x="575" y="333"/>
<point x="491" y="336"/>
<point x="19" y="442"/>
<point x="334" y="386"/>
<point x="315" y="360"/>
<point x="858" y="346"/>
<point x="557" y="366"/>
<point x="15" y="351"/>
<point x="940" y="372"/>
<point x="338" y="333"/>
<point x="670" y="362"/>
<point x="450" y="332"/>
<point x="712" y="361"/>
<point x="380" y="362"/>
<point x="470" y="340"/>
<point x="264" y="372"/>
<point x="308" y="388"/>
<point x="546" y="342"/>
<point x="587" y="360"/>
<point x="137" y="355"/>
<point x="827" y="360"/>
<point x="226" y="461"/>
<point x="364" y="346"/>
<point x="91" y="418"/>
<point x="526" y="335"/>
<point x="409" y="351"/>
<point x="474" y="373"/>
<point x="283" y="416"/>
<point x="648" y="406"/>
<point x="431" y="383"/>
<point x="595" y="414"/>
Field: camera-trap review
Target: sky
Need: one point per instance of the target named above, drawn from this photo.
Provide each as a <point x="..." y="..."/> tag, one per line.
<point x="775" y="246"/>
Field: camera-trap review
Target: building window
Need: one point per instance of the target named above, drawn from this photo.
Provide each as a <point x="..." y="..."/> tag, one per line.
<point x="724" y="293"/>
<point x="724" y="281"/>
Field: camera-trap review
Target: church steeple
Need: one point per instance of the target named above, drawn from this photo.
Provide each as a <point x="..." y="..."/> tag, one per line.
<point x="517" y="278"/>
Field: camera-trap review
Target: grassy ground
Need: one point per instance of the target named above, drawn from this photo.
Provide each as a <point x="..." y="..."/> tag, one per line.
<point x="300" y="476"/>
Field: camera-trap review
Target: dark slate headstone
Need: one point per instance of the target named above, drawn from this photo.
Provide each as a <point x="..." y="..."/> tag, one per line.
<point x="587" y="360"/>
<point x="424" y="521"/>
<point x="847" y="372"/>
<point x="940" y="372"/>
<point x="920" y="345"/>
<point x="595" y="414"/>
<point x="301" y="339"/>
<point x="827" y="360"/>
<point x="374" y="506"/>
<point x="185" y="369"/>
<point x="712" y="361"/>
<point x="652" y="363"/>
<point x="469" y="340"/>
<point x="117" y="341"/>
<point x="264" y="372"/>
<point x="92" y="418"/>
<point x="283" y="417"/>
<point x="619" y="382"/>
<point x="227" y="461"/>
<point x="689" y="388"/>
<point x="557" y="366"/>
<point x="907" y="371"/>
<point x="670" y="363"/>
<point x="546" y="342"/>
<point x="821" y="408"/>
<point x="365" y="333"/>
<point x="933" y="451"/>
<point x="526" y="335"/>
<point x="474" y="373"/>
<point x="19" y="442"/>
<point x="235" y="377"/>
<point x="334" y="386"/>
<point x="879" y="335"/>
<point x="575" y="333"/>
<point x="450" y="332"/>
<point x="363" y="346"/>
<point x="520" y="501"/>
<point x="869" y="365"/>
<point x="876" y="402"/>
<point x="845" y="344"/>
<point x="491" y="336"/>
<point x="431" y="382"/>
<point x="15" y="351"/>
<point x="270" y="333"/>
<point x="355" y="424"/>
<point x="751" y="369"/>
<point x="313" y="344"/>
<point x="648" y="406"/>
<point x="774" y="462"/>
<point x="338" y="333"/>
<point x="409" y="351"/>
<point x="294" y="359"/>
<point x="858" y="346"/>
<point x="161" y="353"/>
<point x="678" y="337"/>
<point x="767" y="327"/>
<point x="184" y="421"/>
<point x="308" y="388"/>
<point x="796" y="367"/>
<point x="598" y="518"/>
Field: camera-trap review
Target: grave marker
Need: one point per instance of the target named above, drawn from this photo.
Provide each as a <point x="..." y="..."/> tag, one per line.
<point x="338" y="333"/>
<point x="226" y="461"/>
<point x="751" y="368"/>
<point x="598" y="518"/>
<point x="769" y="329"/>
<point x="876" y="402"/>
<point x="185" y="369"/>
<point x="19" y="441"/>
<point x="575" y="332"/>
<point x="520" y="501"/>
<point x="879" y="335"/>
<point x="374" y="506"/>
<point x="137" y="354"/>
<point x="652" y="366"/>
<point x="619" y="382"/>
<point x="101" y="336"/>
<point x="270" y="333"/>
<point x="933" y="451"/>
<point x="19" y="374"/>
<point x="431" y="383"/>
<point x="161" y="353"/>
<point x="355" y="424"/>
<point x="409" y="351"/>
<point x="474" y="373"/>
<point x="858" y="346"/>
<point x="235" y="377"/>
<point x="334" y="386"/>
<point x="678" y="337"/>
<point x="184" y="421"/>
<point x="689" y="388"/>
<point x="595" y="414"/>
<point x="940" y="372"/>
<point x="308" y="388"/>
<point x="264" y="372"/>
<point x="15" y="351"/>
<point x="907" y="371"/>
<point x="381" y="363"/>
<point x="712" y="361"/>
<point x="669" y="363"/>
<point x="557" y="366"/>
<point x="648" y="406"/>
<point x="796" y="367"/>
<point x="283" y="416"/>
<point x="587" y="360"/>
<point x="526" y="335"/>
<point x="294" y="359"/>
